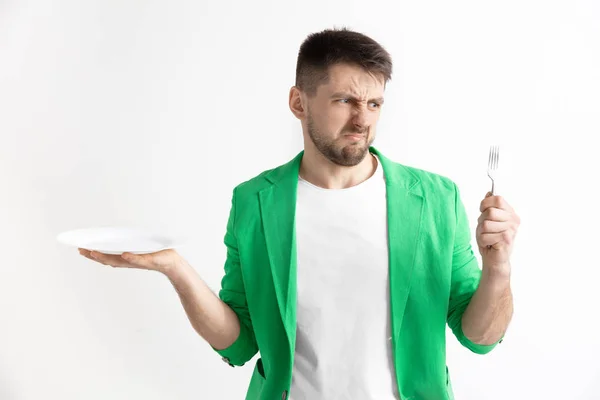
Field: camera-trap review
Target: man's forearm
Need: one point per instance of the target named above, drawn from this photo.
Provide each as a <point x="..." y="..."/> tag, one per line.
<point x="488" y="314"/>
<point x="214" y="320"/>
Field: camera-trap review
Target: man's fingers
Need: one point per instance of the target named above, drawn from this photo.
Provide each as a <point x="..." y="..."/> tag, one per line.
<point x="489" y="239"/>
<point x="488" y="226"/>
<point x="494" y="201"/>
<point x="138" y="260"/>
<point x="151" y="261"/>
<point x="106" y="259"/>
<point x="494" y="214"/>
<point x="86" y="254"/>
<point x="497" y="240"/>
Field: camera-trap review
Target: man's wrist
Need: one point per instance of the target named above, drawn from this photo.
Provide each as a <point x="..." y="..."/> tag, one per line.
<point x="497" y="270"/>
<point x="176" y="269"/>
<point x="496" y="276"/>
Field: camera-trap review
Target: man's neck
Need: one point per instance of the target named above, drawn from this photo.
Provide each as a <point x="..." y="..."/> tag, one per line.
<point x="321" y="172"/>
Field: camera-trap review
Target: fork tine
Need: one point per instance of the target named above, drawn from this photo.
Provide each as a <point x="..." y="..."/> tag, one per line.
<point x="490" y="157"/>
<point x="497" y="156"/>
<point x="494" y="153"/>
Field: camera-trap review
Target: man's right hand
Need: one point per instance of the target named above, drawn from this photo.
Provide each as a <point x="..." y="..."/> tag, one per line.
<point x="162" y="261"/>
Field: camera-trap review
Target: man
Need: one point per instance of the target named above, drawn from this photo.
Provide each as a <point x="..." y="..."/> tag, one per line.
<point x="343" y="267"/>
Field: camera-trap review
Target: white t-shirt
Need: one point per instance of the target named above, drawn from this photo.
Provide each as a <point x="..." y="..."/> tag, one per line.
<point x="343" y="336"/>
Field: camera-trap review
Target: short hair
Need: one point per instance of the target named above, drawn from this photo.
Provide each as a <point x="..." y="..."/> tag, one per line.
<point x="321" y="50"/>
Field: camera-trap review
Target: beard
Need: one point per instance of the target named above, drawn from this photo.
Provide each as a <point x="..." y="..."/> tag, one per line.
<point x="344" y="154"/>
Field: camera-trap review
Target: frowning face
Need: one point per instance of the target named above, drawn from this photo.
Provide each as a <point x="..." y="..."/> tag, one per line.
<point x="340" y="119"/>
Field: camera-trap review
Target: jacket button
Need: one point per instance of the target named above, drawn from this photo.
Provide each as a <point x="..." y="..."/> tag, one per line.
<point x="284" y="395"/>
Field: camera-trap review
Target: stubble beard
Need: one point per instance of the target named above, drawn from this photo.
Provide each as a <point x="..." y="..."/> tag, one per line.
<point x="347" y="155"/>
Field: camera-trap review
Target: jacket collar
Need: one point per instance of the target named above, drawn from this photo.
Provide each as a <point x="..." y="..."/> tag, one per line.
<point x="396" y="174"/>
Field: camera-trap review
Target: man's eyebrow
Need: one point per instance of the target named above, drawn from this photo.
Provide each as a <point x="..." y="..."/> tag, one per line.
<point x="348" y="95"/>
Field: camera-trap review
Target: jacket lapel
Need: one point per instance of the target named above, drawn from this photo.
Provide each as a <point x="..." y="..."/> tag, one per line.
<point x="278" y="210"/>
<point x="405" y="211"/>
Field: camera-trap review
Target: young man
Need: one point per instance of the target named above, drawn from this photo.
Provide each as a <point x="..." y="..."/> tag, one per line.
<point x="343" y="267"/>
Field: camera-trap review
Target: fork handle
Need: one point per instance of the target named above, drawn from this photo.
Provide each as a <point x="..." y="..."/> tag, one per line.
<point x="493" y="194"/>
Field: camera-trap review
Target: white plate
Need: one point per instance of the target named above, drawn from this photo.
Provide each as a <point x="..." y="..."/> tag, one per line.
<point x="117" y="240"/>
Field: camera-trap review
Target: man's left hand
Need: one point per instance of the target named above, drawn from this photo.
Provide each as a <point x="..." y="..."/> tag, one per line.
<point x="496" y="230"/>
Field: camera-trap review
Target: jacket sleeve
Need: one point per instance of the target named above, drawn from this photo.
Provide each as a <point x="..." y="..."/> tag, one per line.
<point x="233" y="294"/>
<point x="466" y="275"/>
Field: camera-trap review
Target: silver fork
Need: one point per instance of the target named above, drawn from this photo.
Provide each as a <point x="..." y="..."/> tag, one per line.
<point x="493" y="164"/>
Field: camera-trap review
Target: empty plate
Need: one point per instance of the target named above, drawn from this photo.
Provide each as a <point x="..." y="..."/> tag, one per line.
<point x="117" y="240"/>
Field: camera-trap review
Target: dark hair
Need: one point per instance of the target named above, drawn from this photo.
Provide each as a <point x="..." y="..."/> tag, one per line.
<point x="321" y="50"/>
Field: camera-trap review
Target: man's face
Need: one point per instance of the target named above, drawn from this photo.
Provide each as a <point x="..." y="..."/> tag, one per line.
<point x="340" y="120"/>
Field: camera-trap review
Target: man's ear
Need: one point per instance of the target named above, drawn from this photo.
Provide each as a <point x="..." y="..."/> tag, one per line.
<point x="296" y="103"/>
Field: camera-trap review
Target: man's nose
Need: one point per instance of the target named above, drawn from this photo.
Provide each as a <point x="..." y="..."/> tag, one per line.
<point x="360" y="118"/>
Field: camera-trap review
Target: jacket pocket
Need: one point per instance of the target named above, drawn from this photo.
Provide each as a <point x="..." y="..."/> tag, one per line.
<point x="256" y="382"/>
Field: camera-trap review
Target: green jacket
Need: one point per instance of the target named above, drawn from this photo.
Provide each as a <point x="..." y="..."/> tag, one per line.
<point x="432" y="269"/>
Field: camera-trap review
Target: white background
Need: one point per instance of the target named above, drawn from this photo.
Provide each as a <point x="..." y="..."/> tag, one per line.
<point x="148" y="113"/>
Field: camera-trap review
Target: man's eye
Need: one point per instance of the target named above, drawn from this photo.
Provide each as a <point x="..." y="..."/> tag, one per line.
<point x="342" y="100"/>
<point x="376" y="105"/>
